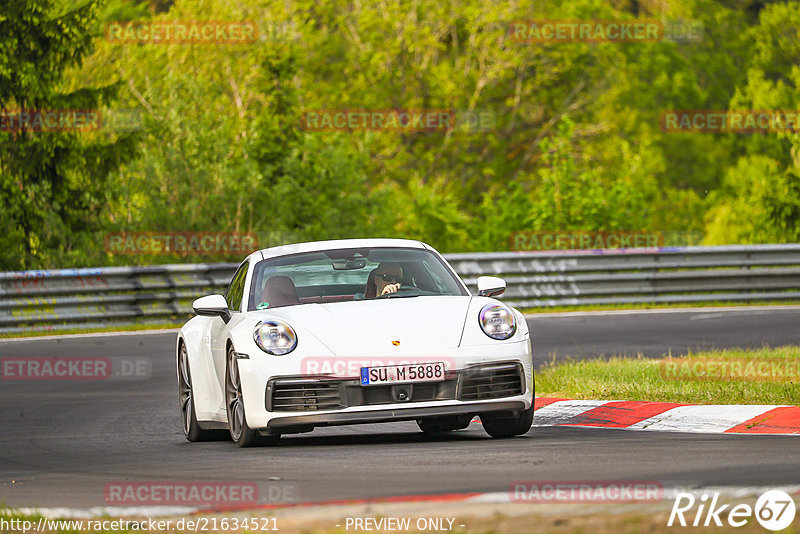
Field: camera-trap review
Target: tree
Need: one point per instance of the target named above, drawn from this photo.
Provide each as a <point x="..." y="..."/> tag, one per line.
<point x="51" y="179"/>
<point x="759" y="203"/>
<point x="574" y="140"/>
<point x="760" y="198"/>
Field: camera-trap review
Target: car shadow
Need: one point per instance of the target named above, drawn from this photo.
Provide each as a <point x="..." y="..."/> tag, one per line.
<point x="384" y="438"/>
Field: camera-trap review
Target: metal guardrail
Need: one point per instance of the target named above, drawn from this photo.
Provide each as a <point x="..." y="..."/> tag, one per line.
<point x="70" y="298"/>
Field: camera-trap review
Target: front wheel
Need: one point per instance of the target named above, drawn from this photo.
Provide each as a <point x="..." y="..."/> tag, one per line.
<point x="191" y="428"/>
<point x="507" y="426"/>
<point x="242" y="435"/>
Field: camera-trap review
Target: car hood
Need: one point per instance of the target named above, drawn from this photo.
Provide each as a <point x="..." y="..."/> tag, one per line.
<point x="369" y="327"/>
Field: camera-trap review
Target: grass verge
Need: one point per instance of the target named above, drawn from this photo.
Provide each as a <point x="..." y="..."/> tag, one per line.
<point x="760" y="376"/>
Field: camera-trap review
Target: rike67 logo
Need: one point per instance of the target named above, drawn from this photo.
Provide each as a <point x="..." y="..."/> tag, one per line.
<point x="774" y="510"/>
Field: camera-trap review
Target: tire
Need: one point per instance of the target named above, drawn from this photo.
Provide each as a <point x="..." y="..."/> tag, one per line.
<point x="241" y="434"/>
<point x="191" y="428"/>
<point x="441" y="425"/>
<point x="508" y="426"/>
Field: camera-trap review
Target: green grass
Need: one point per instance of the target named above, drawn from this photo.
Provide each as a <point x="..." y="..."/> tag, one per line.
<point x="645" y="379"/>
<point x="653" y="306"/>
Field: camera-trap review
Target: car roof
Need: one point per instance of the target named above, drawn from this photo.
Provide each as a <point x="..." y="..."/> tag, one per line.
<point x="315" y="246"/>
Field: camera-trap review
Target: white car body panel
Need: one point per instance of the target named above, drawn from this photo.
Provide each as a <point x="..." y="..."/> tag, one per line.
<point x="433" y="328"/>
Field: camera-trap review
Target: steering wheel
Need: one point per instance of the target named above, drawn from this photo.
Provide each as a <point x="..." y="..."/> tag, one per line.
<point x="403" y="289"/>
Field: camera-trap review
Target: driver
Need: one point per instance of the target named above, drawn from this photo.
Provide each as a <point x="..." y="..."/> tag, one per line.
<point x="388" y="278"/>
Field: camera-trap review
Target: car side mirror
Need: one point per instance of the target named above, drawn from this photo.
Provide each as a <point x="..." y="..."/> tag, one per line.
<point x="491" y="286"/>
<point x="211" y="306"/>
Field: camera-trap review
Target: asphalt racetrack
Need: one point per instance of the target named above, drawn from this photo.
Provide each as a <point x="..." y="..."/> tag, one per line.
<point x="63" y="441"/>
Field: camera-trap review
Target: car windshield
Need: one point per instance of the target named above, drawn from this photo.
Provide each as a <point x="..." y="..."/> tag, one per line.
<point x="348" y="275"/>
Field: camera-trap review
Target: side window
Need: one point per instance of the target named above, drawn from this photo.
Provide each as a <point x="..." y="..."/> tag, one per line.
<point x="236" y="289"/>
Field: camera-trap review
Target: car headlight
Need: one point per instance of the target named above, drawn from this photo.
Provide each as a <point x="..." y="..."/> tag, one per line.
<point x="498" y="321"/>
<point x="275" y="337"/>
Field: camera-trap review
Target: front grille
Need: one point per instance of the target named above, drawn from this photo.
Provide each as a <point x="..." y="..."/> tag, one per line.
<point x="298" y="396"/>
<point x="358" y="395"/>
<point x="492" y="382"/>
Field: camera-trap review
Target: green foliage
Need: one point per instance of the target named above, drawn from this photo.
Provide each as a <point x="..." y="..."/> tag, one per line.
<point x="760" y="203"/>
<point x="760" y="198"/>
<point x="321" y="194"/>
<point x="575" y="141"/>
<point x="51" y="182"/>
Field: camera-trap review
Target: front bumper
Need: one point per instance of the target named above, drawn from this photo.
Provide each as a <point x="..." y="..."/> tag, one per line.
<point x="351" y="407"/>
<point x="475" y="383"/>
<point x="395" y="413"/>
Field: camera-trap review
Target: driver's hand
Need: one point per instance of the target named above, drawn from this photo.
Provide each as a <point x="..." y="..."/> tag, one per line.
<point x="390" y="288"/>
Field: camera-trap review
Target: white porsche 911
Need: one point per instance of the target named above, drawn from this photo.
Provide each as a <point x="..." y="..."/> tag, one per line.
<point x="352" y="331"/>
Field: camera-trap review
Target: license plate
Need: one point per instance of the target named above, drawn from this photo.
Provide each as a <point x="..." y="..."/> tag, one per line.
<point x="402" y="374"/>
